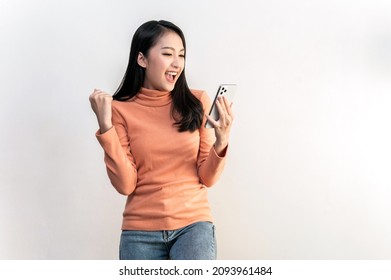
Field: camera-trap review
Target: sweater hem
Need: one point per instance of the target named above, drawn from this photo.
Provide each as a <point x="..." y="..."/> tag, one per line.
<point x="141" y="225"/>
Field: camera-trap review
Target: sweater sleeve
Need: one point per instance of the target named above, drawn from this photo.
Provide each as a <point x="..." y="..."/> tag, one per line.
<point x="120" y="164"/>
<point x="210" y="164"/>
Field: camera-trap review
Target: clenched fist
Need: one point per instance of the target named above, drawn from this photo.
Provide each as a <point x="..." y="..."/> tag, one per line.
<point x="101" y="105"/>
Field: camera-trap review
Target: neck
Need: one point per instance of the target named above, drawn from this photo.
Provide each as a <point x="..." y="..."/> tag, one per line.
<point x="153" y="97"/>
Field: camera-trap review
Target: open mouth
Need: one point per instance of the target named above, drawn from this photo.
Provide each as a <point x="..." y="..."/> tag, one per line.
<point x="170" y="75"/>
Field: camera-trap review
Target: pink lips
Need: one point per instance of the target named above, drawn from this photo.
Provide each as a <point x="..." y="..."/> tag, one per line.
<point x="170" y="78"/>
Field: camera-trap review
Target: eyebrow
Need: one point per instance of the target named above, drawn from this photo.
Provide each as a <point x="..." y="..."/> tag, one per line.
<point x="171" y="48"/>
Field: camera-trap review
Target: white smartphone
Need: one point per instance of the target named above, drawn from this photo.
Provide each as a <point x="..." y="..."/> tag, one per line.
<point x="227" y="90"/>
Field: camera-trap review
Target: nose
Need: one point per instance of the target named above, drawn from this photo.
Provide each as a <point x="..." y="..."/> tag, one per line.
<point x="175" y="62"/>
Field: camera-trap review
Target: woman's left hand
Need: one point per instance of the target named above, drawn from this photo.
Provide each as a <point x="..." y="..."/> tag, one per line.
<point x="223" y="125"/>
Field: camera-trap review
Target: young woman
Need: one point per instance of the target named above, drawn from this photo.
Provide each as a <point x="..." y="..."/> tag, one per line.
<point x="158" y="152"/>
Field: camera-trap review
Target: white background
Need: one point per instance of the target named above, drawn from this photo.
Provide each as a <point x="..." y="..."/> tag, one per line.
<point x="308" y="174"/>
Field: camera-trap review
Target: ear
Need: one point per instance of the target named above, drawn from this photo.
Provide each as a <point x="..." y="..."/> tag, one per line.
<point x="141" y="60"/>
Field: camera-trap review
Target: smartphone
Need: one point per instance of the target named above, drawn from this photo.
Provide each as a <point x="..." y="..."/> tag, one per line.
<point x="227" y="90"/>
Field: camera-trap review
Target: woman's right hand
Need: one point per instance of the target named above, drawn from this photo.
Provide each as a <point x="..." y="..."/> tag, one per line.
<point x="101" y="105"/>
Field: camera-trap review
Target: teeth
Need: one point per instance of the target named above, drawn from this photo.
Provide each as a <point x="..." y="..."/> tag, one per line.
<point x="172" y="73"/>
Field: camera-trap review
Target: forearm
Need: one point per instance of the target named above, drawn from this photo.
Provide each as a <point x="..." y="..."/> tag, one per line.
<point x="209" y="170"/>
<point x="122" y="175"/>
<point x="120" y="168"/>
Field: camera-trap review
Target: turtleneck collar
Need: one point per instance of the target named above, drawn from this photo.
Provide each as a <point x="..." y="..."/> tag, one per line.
<point x="153" y="98"/>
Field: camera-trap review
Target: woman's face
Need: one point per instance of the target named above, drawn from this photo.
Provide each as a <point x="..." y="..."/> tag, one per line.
<point x="164" y="63"/>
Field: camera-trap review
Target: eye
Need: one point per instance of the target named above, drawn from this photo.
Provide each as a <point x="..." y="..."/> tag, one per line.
<point x="167" y="54"/>
<point x="182" y="55"/>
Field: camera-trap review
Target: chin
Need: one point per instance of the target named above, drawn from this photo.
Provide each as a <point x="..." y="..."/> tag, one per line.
<point x="168" y="87"/>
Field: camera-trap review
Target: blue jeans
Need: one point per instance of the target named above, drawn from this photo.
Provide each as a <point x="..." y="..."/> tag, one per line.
<point x="193" y="242"/>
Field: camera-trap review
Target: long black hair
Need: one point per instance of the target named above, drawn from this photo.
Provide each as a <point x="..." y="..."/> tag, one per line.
<point x="187" y="110"/>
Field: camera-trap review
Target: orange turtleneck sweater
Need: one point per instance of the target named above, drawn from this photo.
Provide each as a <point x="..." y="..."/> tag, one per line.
<point x="164" y="173"/>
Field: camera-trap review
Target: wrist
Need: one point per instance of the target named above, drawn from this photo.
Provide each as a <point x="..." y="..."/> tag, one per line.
<point x="103" y="127"/>
<point x="220" y="148"/>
